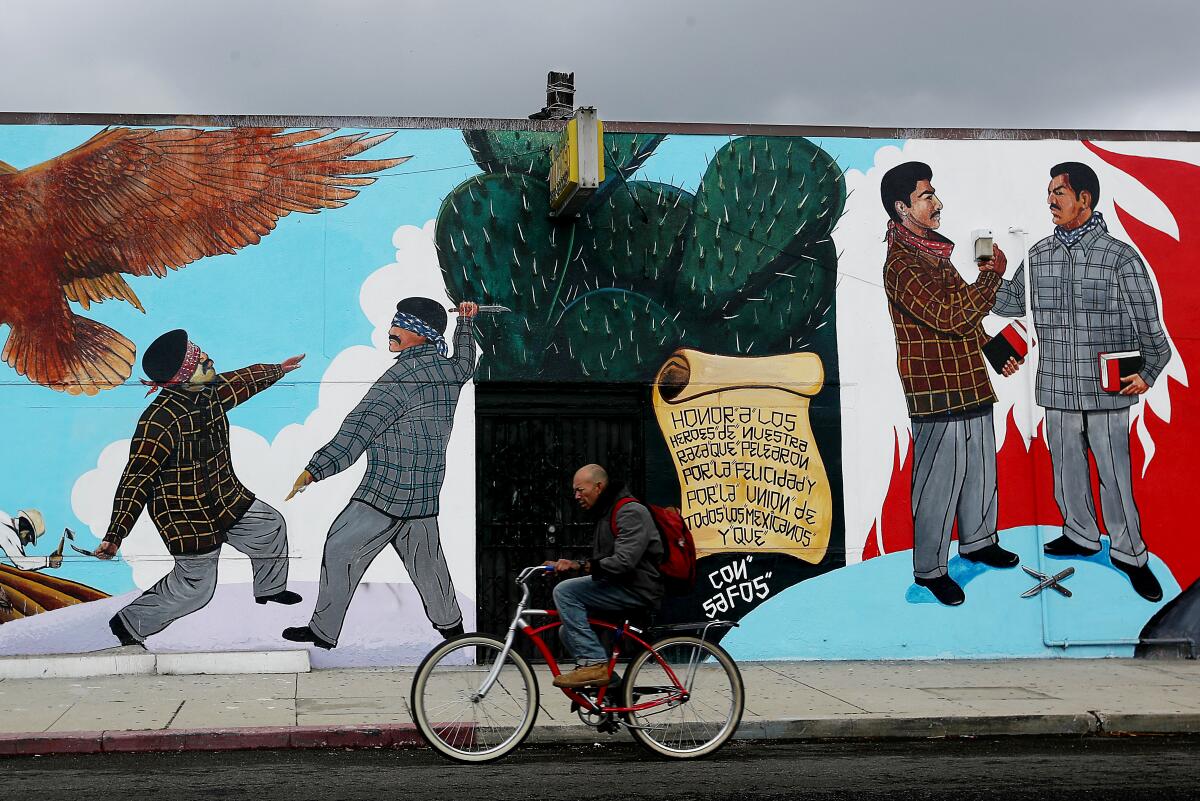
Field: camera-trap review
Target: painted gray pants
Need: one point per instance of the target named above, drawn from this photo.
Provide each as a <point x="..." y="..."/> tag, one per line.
<point x="954" y="476"/>
<point x="1106" y="433"/>
<point x="260" y="533"/>
<point x="357" y="536"/>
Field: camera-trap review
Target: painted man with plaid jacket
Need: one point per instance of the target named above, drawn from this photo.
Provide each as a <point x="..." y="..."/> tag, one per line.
<point x="403" y="426"/>
<point x="936" y="317"/>
<point x="180" y="467"/>
<point x="1091" y="295"/>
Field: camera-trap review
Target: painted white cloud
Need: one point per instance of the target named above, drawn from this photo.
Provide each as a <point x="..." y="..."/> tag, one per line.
<point x="269" y="468"/>
<point x="997" y="185"/>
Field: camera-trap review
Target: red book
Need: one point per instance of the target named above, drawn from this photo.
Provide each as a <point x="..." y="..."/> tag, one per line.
<point x="1115" y="365"/>
<point x="1011" y="343"/>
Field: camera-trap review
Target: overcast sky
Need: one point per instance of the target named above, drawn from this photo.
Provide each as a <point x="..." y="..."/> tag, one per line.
<point x="1001" y="63"/>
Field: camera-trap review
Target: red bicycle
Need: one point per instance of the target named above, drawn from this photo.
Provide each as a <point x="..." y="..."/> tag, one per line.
<point x="474" y="699"/>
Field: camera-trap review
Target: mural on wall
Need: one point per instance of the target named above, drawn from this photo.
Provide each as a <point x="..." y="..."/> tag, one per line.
<point x="813" y="366"/>
<point x="140" y="202"/>
<point x="403" y="425"/>
<point x="744" y="266"/>
<point x="1093" y="302"/>
<point x="24" y="590"/>
<point x="180" y="470"/>
<point x="937" y="317"/>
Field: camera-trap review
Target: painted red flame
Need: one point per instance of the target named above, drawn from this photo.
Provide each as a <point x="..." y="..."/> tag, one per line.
<point x="1025" y="478"/>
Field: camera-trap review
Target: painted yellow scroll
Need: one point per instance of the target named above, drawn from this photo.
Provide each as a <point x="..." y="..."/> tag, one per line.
<point x="750" y="474"/>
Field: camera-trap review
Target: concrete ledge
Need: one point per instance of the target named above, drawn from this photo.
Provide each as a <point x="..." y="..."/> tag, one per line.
<point x="228" y="662"/>
<point x="76" y="666"/>
<point x="400" y="735"/>
<point x="80" y="666"/>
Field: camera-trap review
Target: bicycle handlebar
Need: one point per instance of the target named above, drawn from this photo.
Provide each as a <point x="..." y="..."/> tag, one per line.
<point x="533" y="570"/>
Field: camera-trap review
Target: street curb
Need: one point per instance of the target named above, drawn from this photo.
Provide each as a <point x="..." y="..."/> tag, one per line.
<point x="395" y="735"/>
<point x="1149" y="723"/>
<point x="919" y="727"/>
<point x="405" y="735"/>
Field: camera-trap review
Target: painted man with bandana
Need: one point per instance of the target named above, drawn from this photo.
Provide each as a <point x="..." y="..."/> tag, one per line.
<point x="180" y="467"/>
<point x="1092" y="294"/>
<point x="403" y="426"/>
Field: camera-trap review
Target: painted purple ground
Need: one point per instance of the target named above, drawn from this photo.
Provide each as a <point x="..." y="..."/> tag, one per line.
<point x="386" y="626"/>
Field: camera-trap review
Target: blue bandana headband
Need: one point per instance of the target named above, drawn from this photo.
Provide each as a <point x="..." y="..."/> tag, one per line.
<point x="421" y="328"/>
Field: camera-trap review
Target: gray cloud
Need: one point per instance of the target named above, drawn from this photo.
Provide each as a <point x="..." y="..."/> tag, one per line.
<point x="1018" y="63"/>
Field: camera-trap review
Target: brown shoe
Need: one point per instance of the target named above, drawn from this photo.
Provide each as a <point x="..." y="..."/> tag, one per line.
<point x="590" y="676"/>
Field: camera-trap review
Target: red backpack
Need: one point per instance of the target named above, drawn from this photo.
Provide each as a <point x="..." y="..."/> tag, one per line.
<point x="678" y="565"/>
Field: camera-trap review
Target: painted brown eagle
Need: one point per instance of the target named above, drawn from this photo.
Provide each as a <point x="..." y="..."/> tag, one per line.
<point x="137" y="201"/>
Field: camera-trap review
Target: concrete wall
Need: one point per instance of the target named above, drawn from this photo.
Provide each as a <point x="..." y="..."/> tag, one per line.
<point x="742" y="277"/>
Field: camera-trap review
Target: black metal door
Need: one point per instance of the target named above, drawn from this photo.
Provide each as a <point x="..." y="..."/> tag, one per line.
<point x="530" y="439"/>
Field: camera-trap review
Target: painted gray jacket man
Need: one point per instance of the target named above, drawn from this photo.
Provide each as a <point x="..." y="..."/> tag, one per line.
<point x="403" y="426"/>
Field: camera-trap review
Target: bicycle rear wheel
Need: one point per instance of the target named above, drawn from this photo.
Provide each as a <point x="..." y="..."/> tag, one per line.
<point x="451" y="715"/>
<point x="711" y="711"/>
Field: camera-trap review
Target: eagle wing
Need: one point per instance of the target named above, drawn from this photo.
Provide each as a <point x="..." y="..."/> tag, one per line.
<point x="141" y="201"/>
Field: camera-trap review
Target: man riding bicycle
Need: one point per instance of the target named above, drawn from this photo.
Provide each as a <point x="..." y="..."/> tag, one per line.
<point x="621" y="576"/>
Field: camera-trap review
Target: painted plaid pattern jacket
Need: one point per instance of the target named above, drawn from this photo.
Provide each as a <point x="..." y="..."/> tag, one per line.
<point x="179" y="464"/>
<point x="936" y="316"/>
<point x="1091" y="298"/>
<point x="403" y="424"/>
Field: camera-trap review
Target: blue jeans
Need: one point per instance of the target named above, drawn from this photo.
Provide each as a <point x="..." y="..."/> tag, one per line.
<point x="574" y="599"/>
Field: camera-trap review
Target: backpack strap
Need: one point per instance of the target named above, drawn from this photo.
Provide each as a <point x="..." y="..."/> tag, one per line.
<point x="612" y="522"/>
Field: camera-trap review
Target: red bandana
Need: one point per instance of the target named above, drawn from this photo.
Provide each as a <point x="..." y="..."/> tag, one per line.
<point x="191" y="358"/>
<point x="942" y="248"/>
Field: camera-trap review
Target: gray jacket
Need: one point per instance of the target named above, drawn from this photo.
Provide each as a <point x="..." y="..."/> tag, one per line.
<point x="403" y="425"/>
<point x="1094" y="297"/>
<point x="631" y="558"/>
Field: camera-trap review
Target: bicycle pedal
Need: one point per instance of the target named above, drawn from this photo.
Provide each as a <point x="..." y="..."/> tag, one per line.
<point x="609" y="726"/>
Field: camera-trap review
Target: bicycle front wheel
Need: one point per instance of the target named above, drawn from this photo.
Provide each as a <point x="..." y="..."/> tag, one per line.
<point x="459" y="720"/>
<point x="699" y="722"/>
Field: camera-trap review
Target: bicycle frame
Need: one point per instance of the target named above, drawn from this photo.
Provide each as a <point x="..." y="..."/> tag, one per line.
<point x="676" y="694"/>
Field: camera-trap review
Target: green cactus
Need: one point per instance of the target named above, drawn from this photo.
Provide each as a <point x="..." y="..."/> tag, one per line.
<point x="612" y="335"/>
<point x="496" y="245"/>
<point x="523" y="152"/>
<point x="776" y="319"/>
<point x="615" y="245"/>
<point x="762" y="203"/>
<point x="528" y="152"/>
<point x="747" y="265"/>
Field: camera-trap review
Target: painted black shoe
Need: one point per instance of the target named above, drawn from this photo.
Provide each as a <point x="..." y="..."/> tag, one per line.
<point x="944" y="588"/>
<point x="993" y="556"/>
<point x="1065" y="546"/>
<point x="119" y="630"/>
<point x="451" y="632"/>
<point x="305" y="634"/>
<point x="1144" y="582"/>
<point x="285" y="597"/>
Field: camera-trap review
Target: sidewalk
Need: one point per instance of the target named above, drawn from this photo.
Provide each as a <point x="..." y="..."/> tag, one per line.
<point x="784" y="700"/>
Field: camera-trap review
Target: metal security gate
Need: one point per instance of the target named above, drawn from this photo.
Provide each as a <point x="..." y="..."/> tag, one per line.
<point x="530" y="439"/>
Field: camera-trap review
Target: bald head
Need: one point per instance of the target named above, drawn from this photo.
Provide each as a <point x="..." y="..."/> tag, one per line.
<point x="590" y="480"/>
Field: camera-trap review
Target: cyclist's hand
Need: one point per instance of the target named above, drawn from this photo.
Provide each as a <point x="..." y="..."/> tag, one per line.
<point x="565" y="566"/>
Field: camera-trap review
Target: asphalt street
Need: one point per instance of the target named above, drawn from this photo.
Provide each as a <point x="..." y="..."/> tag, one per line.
<point x="1027" y="768"/>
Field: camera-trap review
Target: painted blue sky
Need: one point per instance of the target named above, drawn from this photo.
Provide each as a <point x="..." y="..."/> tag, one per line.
<point x="295" y="292"/>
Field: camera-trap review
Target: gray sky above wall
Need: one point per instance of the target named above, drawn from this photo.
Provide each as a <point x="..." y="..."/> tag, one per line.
<point x="888" y="63"/>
